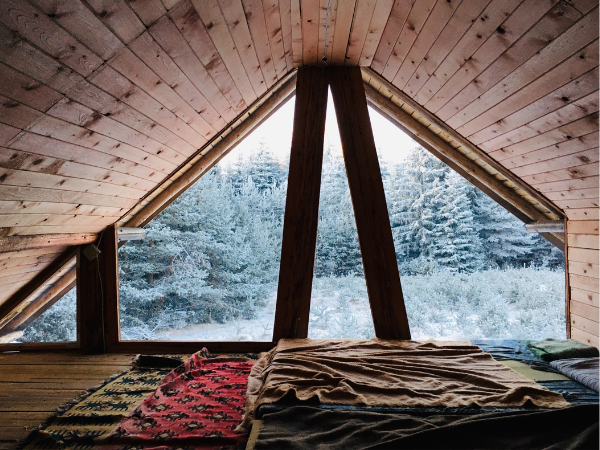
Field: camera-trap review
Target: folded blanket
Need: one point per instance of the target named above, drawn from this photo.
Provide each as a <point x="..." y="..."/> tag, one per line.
<point x="307" y="428"/>
<point x="389" y="373"/>
<point x="584" y="370"/>
<point x="553" y="349"/>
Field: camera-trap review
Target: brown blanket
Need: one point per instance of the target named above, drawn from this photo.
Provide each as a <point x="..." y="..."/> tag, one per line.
<point x="389" y="373"/>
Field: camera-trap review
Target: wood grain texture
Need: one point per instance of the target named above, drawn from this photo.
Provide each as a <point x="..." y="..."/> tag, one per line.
<point x="370" y="209"/>
<point x="302" y="206"/>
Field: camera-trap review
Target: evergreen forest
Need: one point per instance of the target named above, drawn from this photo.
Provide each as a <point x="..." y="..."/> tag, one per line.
<point x="213" y="255"/>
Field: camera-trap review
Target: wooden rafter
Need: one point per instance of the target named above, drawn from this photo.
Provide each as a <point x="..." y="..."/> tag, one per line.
<point x="448" y="145"/>
<point x="301" y="218"/>
<point x="370" y="209"/>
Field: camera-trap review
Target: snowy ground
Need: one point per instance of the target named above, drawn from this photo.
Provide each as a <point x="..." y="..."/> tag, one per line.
<point x="518" y="304"/>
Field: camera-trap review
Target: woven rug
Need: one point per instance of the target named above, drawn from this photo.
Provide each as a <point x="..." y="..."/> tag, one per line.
<point x="86" y="423"/>
<point x="196" y="406"/>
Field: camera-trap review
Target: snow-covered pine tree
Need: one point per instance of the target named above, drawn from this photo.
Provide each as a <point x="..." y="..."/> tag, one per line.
<point x="338" y="252"/>
<point x="505" y="241"/>
<point x="415" y="216"/>
<point x="455" y="245"/>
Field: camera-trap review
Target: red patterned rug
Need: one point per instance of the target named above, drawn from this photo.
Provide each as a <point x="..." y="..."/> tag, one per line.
<point x="197" y="406"/>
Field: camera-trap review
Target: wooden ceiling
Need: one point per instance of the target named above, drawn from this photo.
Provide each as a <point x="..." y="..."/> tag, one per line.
<point x="101" y="101"/>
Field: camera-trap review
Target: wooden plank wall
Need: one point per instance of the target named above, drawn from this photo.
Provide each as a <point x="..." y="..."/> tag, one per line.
<point x="584" y="284"/>
<point x="18" y="268"/>
<point x="518" y="79"/>
<point x="102" y="100"/>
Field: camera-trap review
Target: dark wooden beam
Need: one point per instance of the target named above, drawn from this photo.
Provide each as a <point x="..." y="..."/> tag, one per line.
<point x="302" y="206"/>
<point x="98" y="294"/>
<point x="18" y="243"/>
<point x="109" y="268"/>
<point x="370" y="208"/>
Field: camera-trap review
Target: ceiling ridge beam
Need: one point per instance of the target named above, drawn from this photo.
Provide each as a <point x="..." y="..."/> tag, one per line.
<point x="513" y="193"/>
<point x="210" y="154"/>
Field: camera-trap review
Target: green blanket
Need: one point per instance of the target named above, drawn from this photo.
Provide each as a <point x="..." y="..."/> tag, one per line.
<point x="553" y="349"/>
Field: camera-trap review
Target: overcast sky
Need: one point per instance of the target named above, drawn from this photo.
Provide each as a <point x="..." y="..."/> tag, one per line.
<point x="276" y="132"/>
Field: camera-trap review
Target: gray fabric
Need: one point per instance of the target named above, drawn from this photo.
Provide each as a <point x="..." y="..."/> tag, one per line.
<point x="583" y="370"/>
<point x="310" y="428"/>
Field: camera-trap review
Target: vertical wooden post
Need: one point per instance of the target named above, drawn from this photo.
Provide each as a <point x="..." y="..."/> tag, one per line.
<point x="109" y="268"/>
<point x="302" y="206"/>
<point x="97" y="294"/>
<point x="368" y="199"/>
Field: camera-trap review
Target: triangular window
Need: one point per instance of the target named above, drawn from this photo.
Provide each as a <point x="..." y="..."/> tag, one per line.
<point x="468" y="268"/>
<point x="339" y="305"/>
<point x="209" y="267"/>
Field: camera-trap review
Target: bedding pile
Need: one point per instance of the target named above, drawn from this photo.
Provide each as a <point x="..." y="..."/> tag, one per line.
<point x="389" y="373"/>
<point x="583" y="370"/>
<point x="307" y="428"/>
<point x="554" y="349"/>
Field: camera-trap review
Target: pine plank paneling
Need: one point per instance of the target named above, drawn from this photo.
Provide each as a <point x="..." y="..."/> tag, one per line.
<point x="285" y="11"/>
<point x="129" y="65"/>
<point x="584" y="268"/>
<point x="583" y="214"/>
<point x="121" y="19"/>
<point x="216" y="27"/>
<point x="436" y="22"/>
<point x="257" y="26"/>
<point x="585" y="297"/>
<point x="113" y="82"/>
<point x="584" y="324"/>
<point x="81" y="22"/>
<point x="583" y="227"/>
<point x="190" y="25"/>
<point x="16" y="85"/>
<point x="170" y="39"/>
<point x="569" y="113"/>
<point x="360" y="28"/>
<point x="467" y="13"/>
<point x="513" y="44"/>
<point x="410" y="31"/>
<point x="482" y="28"/>
<point x="379" y="20"/>
<point x="35" y="26"/>
<point x="584" y="240"/>
<point x="586" y="338"/>
<point x="148" y="50"/>
<point x="343" y="27"/>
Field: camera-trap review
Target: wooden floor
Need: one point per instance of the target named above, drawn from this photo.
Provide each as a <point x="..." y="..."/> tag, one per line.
<point x="33" y="385"/>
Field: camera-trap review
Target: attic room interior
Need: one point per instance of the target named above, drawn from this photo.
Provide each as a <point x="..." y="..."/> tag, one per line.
<point x="112" y="110"/>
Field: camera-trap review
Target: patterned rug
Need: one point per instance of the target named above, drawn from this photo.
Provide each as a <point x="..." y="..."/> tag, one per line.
<point x="196" y="406"/>
<point x="87" y="423"/>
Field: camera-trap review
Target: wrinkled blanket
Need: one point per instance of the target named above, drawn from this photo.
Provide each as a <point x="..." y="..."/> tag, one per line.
<point x="393" y="373"/>
<point x="198" y="405"/>
<point x="308" y="428"/>
<point x="584" y="370"/>
<point x="553" y="349"/>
